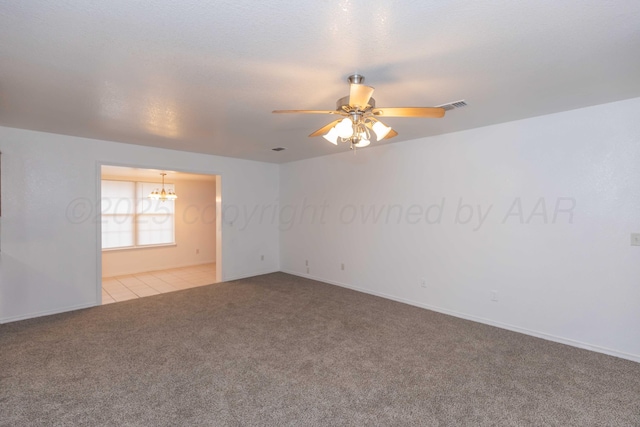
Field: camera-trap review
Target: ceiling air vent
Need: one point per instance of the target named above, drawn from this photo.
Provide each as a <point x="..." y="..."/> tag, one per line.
<point x="279" y="149"/>
<point x="453" y="105"/>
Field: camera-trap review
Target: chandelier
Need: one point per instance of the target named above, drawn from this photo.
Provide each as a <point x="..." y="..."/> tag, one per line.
<point x="356" y="130"/>
<point x="163" y="195"/>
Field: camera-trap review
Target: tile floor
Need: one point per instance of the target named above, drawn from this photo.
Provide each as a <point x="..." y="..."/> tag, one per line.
<point x="122" y="288"/>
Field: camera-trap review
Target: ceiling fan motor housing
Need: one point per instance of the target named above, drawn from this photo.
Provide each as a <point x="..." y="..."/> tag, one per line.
<point x="343" y="104"/>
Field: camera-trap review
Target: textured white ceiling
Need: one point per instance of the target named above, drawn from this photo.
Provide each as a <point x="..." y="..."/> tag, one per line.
<point x="204" y="76"/>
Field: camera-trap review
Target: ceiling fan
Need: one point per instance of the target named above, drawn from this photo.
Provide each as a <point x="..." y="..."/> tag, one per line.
<point x="360" y="116"/>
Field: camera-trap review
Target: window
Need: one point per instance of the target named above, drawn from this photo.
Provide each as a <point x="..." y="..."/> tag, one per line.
<point x="130" y="219"/>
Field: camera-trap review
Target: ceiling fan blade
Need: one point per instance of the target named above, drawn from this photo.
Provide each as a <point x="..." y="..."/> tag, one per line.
<point x="359" y="95"/>
<point x="391" y="134"/>
<point x="307" y="112"/>
<point x="326" y="128"/>
<point x="429" y="112"/>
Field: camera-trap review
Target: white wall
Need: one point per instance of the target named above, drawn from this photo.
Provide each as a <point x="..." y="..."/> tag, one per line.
<point x="50" y="259"/>
<point x="195" y="233"/>
<point x="572" y="278"/>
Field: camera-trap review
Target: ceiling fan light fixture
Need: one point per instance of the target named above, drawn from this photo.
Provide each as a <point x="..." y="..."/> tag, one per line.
<point x="380" y="130"/>
<point x="362" y="143"/>
<point x="332" y="136"/>
<point x="344" y="128"/>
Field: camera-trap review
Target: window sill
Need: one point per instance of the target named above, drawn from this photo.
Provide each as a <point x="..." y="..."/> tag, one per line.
<point x="131" y="248"/>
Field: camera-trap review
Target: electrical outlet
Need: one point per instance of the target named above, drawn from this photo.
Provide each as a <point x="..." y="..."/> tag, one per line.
<point x="197" y="251"/>
<point x="423" y="283"/>
<point x="635" y="239"/>
<point x="342" y="266"/>
<point x="494" y="296"/>
<point x="261" y="257"/>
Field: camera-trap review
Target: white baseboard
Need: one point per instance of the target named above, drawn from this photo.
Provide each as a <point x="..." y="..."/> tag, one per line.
<point x="537" y="334"/>
<point x="249" y="274"/>
<point x="164" y="267"/>
<point x="47" y="313"/>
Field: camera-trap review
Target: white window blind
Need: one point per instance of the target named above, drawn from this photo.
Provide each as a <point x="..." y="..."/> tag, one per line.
<point x="117" y="213"/>
<point x="130" y="218"/>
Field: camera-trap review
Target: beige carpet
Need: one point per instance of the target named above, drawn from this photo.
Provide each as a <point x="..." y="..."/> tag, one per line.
<point x="279" y="350"/>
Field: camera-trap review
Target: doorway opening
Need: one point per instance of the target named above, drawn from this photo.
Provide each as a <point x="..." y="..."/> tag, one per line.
<point x="152" y="245"/>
